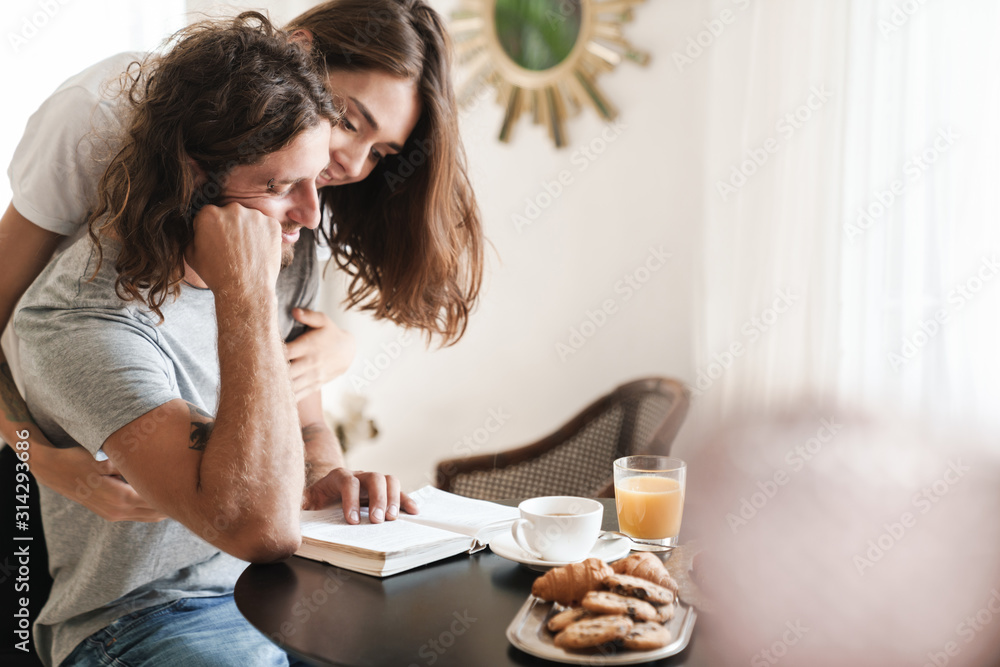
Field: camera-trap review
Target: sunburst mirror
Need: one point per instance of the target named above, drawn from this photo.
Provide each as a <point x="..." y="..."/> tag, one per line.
<point x="542" y="56"/>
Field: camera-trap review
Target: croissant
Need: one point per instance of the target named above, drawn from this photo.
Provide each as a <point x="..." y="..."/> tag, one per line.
<point x="568" y="584"/>
<point x="645" y="566"/>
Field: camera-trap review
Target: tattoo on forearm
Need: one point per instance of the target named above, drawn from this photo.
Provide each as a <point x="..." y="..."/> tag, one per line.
<point x="14" y="406"/>
<point x="202" y="424"/>
<point x="310" y="433"/>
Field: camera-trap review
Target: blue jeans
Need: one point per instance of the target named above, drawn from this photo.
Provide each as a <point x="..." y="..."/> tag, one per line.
<point x="190" y="632"/>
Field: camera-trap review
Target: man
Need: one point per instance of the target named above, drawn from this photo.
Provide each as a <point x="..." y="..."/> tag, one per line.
<point x="158" y="343"/>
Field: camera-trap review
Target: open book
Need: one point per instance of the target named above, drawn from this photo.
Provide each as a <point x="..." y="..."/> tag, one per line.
<point x="446" y="525"/>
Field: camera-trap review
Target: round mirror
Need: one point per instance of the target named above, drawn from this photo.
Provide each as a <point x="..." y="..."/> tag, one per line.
<point x="542" y="56"/>
<point x="537" y="34"/>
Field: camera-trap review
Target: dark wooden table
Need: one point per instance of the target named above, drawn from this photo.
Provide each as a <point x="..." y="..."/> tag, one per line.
<point x="451" y="613"/>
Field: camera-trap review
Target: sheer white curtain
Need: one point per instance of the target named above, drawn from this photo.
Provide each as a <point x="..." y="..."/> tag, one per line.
<point x="851" y="222"/>
<point x="921" y="286"/>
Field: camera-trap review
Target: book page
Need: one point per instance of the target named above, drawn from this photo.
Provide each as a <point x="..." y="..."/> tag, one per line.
<point x="475" y="518"/>
<point x="443" y="517"/>
<point x="329" y="525"/>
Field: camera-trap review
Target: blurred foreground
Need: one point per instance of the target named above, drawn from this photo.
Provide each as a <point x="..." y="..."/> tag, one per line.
<point x="836" y="539"/>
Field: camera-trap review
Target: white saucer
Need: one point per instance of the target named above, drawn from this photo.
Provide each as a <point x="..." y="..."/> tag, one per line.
<point x="503" y="545"/>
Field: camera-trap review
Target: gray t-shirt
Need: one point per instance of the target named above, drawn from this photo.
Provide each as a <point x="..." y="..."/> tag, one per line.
<point x="92" y="364"/>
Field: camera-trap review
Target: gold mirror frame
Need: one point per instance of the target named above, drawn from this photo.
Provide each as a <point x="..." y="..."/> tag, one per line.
<point x="550" y="95"/>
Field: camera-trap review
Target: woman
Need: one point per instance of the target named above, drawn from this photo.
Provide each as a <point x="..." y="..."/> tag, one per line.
<point x="403" y="221"/>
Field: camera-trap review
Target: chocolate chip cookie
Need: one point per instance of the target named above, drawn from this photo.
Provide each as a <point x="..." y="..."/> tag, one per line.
<point x="594" y="632"/>
<point x="665" y="613"/>
<point x="635" y="587"/>
<point x="564" y="618"/>
<point x="646" y="637"/>
<point x="603" y="602"/>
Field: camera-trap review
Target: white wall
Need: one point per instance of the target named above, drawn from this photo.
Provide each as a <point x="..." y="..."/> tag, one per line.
<point x="643" y="191"/>
<point x="44" y="42"/>
<point x="280" y="11"/>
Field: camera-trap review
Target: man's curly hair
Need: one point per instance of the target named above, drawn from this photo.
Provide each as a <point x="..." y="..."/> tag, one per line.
<point x="226" y="93"/>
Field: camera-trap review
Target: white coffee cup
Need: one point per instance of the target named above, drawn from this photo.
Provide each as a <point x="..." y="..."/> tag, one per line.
<point x="558" y="528"/>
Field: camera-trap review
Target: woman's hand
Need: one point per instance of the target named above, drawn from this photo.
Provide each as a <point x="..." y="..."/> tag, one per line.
<point x="382" y="492"/>
<point x="322" y="353"/>
<point x="94" y="484"/>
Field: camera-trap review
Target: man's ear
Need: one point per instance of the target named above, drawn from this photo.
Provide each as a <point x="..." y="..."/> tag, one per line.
<point x="303" y="37"/>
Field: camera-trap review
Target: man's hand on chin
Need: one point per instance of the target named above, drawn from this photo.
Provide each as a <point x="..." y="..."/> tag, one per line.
<point x="235" y="247"/>
<point x="352" y="487"/>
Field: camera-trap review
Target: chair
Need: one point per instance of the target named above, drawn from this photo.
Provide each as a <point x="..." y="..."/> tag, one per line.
<point x="640" y="417"/>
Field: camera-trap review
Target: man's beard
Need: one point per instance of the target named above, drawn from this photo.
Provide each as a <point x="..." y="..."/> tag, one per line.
<point x="287" y="254"/>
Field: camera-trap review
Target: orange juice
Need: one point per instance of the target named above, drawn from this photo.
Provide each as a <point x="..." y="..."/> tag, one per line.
<point x="649" y="508"/>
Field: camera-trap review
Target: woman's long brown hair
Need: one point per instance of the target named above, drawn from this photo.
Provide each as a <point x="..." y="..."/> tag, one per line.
<point x="225" y="94"/>
<point x="410" y="234"/>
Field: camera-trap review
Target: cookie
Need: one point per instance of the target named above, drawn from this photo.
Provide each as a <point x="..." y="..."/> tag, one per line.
<point x="603" y="602"/>
<point x="634" y="587"/>
<point x="646" y="637"/>
<point x="594" y="632"/>
<point x="559" y="621"/>
<point x="665" y="613"/>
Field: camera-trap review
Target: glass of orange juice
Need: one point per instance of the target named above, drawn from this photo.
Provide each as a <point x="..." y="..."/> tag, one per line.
<point x="649" y="497"/>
